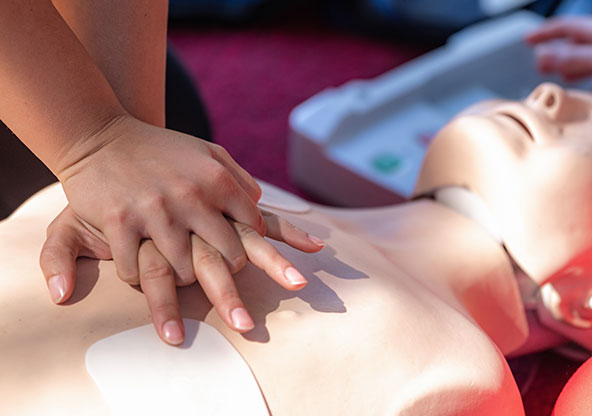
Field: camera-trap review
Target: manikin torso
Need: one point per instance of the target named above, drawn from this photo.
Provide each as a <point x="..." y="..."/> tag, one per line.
<point x="386" y="325"/>
<point x="408" y="310"/>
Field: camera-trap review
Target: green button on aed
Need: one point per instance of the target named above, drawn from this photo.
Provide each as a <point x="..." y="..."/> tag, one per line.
<point x="387" y="163"/>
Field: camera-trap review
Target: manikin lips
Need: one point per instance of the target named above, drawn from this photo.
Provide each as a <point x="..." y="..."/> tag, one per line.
<point x="520" y="123"/>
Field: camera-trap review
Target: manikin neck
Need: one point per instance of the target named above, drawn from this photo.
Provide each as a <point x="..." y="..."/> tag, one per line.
<point x="471" y="206"/>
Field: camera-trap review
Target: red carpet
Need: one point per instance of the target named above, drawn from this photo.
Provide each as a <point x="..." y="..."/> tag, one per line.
<point x="252" y="77"/>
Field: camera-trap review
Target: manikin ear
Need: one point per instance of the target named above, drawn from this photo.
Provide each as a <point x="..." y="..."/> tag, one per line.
<point x="565" y="301"/>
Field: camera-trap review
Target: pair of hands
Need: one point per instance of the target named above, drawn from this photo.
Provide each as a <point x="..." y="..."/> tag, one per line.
<point x="169" y="209"/>
<point x="564" y="46"/>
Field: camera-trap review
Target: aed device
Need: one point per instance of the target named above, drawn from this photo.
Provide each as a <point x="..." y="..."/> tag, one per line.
<point x="362" y="144"/>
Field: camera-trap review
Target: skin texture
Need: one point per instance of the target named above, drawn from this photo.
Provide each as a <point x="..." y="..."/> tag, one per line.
<point x="401" y="295"/>
<point x="68" y="238"/>
<point x="517" y="170"/>
<point x="381" y="313"/>
<point x="564" y="46"/>
<point x="92" y="80"/>
<point x="126" y="41"/>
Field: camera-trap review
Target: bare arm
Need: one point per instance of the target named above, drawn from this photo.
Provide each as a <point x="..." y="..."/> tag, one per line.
<point x="54" y="95"/>
<point x="127" y="178"/>
<point x="127" y="41"/>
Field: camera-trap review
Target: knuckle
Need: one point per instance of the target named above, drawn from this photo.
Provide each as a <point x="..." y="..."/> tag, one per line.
<point x="53" y="250"/>
<point x="51" y="228"/>
<point x="221" y="178"/>
<point x="182" y="281"/>
<point x="57" y="227"/>
<point x="219" y="150"/>
<point x="208" y="257"/>
<point x="155" y="202"/>
<point x="128" y="277"/>
<point x="245" y="232"/>
<point x="163" y="306"/>
<point x="167" y="219"/>
<point x="184" y="277"/>
<point x="156" y="271"/>
<point x="227" y="297"/>
<point x="190" y="193"/>
<point x="274" y="256"/>
<point x="236" y="265"/>
<point x="118" y="217"/>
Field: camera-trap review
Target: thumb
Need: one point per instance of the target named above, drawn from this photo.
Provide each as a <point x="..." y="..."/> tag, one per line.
<point x="58" y="262"/>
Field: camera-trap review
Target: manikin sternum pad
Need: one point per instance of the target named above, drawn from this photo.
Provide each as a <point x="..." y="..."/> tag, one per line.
<point x="137" y="373"/>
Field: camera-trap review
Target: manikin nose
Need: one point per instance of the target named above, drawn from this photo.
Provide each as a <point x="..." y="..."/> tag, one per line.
<point x="548" y="99"/>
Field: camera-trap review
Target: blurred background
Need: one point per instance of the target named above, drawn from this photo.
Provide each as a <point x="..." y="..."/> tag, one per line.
<point x="254" y="61"/>
<point x="237" y="68"/>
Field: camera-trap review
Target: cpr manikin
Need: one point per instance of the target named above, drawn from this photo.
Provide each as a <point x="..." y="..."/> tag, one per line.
<point x="409" y="309"/>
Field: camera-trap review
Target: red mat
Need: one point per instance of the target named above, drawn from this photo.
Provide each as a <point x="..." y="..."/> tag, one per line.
<point x="252" y="77"/>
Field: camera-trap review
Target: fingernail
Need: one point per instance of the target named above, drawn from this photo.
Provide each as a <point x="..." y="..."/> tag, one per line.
<point x="241" y="319"/>
<point x="294" y="277"/>
<point x="172" y="332"/>
<point x="57" y="288"/>
<point x="317" y="240"/>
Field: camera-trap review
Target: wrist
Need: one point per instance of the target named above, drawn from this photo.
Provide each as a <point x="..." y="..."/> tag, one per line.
<point x="104" y="129"/>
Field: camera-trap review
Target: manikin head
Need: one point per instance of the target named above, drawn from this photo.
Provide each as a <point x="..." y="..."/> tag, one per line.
<point x="531" y="163"/>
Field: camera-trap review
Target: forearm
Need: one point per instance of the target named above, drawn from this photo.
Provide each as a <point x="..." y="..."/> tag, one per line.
<point x="55" y="98"/>
<point x="127" y="41"/>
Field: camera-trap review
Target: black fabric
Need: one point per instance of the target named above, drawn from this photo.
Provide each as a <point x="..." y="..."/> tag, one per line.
<point x="21" y="173"/>
<point x="185" y="111"/>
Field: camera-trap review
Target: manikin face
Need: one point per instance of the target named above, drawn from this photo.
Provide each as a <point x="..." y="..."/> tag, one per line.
<point x="531" y="163"/>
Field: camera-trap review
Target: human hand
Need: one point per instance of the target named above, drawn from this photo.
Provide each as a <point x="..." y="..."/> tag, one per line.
<point x="564" y="45"/>
<point x="134" y="181"/>
<point x="68" y="238"/>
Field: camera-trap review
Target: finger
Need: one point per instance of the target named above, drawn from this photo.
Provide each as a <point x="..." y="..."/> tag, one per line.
<point x="174" y="244"/>
<point x="233" y="201"/>
<point x="546" y="57"/>
<point x="283" y="230"/>
<point x="124" y="248"/>
<point x="58" y="260"/>
<point x="578" y="30"/>
<point x="266" y="257"/>
<point x="243" y="178"/>
<point x="574" y="61"/>
<point x="157" y="281"/>
<point x="567" y="59"/>
<point x="574" y="76"/>
<point x="241" y="209"/>
<point x="218" y="285"/>
<point x="215" y="230"/>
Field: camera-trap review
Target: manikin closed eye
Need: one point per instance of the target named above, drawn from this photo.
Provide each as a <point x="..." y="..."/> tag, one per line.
<point x="538" y="194"/>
